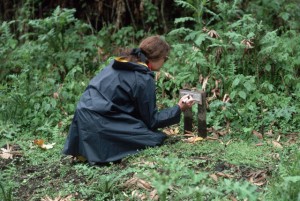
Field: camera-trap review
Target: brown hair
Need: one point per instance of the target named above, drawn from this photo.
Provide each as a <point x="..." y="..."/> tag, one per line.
<point x="155" y="47"/>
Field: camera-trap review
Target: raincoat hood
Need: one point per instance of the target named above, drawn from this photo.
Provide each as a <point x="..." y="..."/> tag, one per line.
<point x="122" y="64"/>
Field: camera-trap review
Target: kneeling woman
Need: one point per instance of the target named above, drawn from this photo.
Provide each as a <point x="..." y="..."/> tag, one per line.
<point x="117" y="114"/>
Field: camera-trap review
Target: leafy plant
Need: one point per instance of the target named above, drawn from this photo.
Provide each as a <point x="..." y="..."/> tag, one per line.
<point x="242" y="190"/>
<point x="175" y="180"/>
<point x="8" y="130"/>
<point x="38" y="86"/>
<point x="7" y="195"/>
<point x="243" y="59"/>
<point x="287" y="186"/>
<point x="244" y="54"/>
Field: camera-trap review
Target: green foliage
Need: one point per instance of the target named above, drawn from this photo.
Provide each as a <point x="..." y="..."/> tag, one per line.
<point x="105" y="186"/>
<point x="249" y="155"/>
<point x="61" y="36"/>
<point x="242" y="57"/>
<point x="8" y="45"/>
<point x="110" y="40"/>
<point x="150" y="14"/>
<point x="6" y="185"/>
<point x="197" y="8"/>
<point x="8" y="130"/>
<point x="279" y="13"/>
<point x="286" y="185"/>
<point x="42" y="73"/>
<point x="6" y="194"/>
<point x="243" y="190"/>
<point x="250" y="59"/>
<point x="46" y="71"/>
<point x="173" y="175"/>
<point x="176" y="181"/>
<point x="126" y="36"/>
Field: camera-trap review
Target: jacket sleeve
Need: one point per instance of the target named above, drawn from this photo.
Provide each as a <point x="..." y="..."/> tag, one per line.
<point x="146" y="104"/>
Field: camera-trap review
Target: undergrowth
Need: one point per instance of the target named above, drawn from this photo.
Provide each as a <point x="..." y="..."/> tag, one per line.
<point x="205" y="170"/>
<point x="247" y="63"/>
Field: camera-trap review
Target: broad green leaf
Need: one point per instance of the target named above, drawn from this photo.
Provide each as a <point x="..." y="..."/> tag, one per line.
<point x="200" y="39"/>
<point x="235" y="82"/>
<point x="242" y="94"/>
<point x="249" y="86"/>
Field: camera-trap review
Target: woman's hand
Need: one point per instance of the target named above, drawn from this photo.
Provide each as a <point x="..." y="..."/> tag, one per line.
<point x="186" y="102"/>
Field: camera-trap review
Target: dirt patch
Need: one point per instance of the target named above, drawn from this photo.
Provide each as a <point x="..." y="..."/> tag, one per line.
<point x="33" y="179"/>
<point x="256" y="176"/>
<point x="44" y="176"/>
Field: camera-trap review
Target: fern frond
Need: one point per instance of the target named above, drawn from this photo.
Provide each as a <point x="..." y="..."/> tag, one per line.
<point x="199" y="39"/>
<point x="192" y="35"/>
<point x="234" y="36"/>
<point x="269" y="42"/>
<point x="180" y="31"/>
<point x="185" y="4"/>
<point x="184" y="19"/>
<point x="232" y="69"/>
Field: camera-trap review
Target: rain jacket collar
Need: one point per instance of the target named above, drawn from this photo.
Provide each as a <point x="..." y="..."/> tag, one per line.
<point x="123" y="64"/>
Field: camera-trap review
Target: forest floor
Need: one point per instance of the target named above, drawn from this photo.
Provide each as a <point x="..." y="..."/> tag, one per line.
<point x="184" y="168"/>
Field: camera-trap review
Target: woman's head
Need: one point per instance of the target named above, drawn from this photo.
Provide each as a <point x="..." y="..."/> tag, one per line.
<point x="152" y="50"/>
<point x="155" y="47"/>
<point x="156" y="50"/>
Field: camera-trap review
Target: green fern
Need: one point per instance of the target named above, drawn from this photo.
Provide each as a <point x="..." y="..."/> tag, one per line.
<point x="184" y="19"/>
<point x="180" y="31"/>
<point x="269" y="43"/>
<point x="242" y="189"/>
<point x="6" y="195"/>
<point x="186" y="4"/>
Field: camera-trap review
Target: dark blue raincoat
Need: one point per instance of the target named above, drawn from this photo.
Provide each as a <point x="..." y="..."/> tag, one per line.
<point x="117" y="115"/>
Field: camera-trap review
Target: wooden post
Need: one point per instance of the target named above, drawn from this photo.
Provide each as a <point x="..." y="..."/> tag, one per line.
<point x="200" y="98"/>
<point x="202" y="128"/>
<point x="188" y="120"/>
